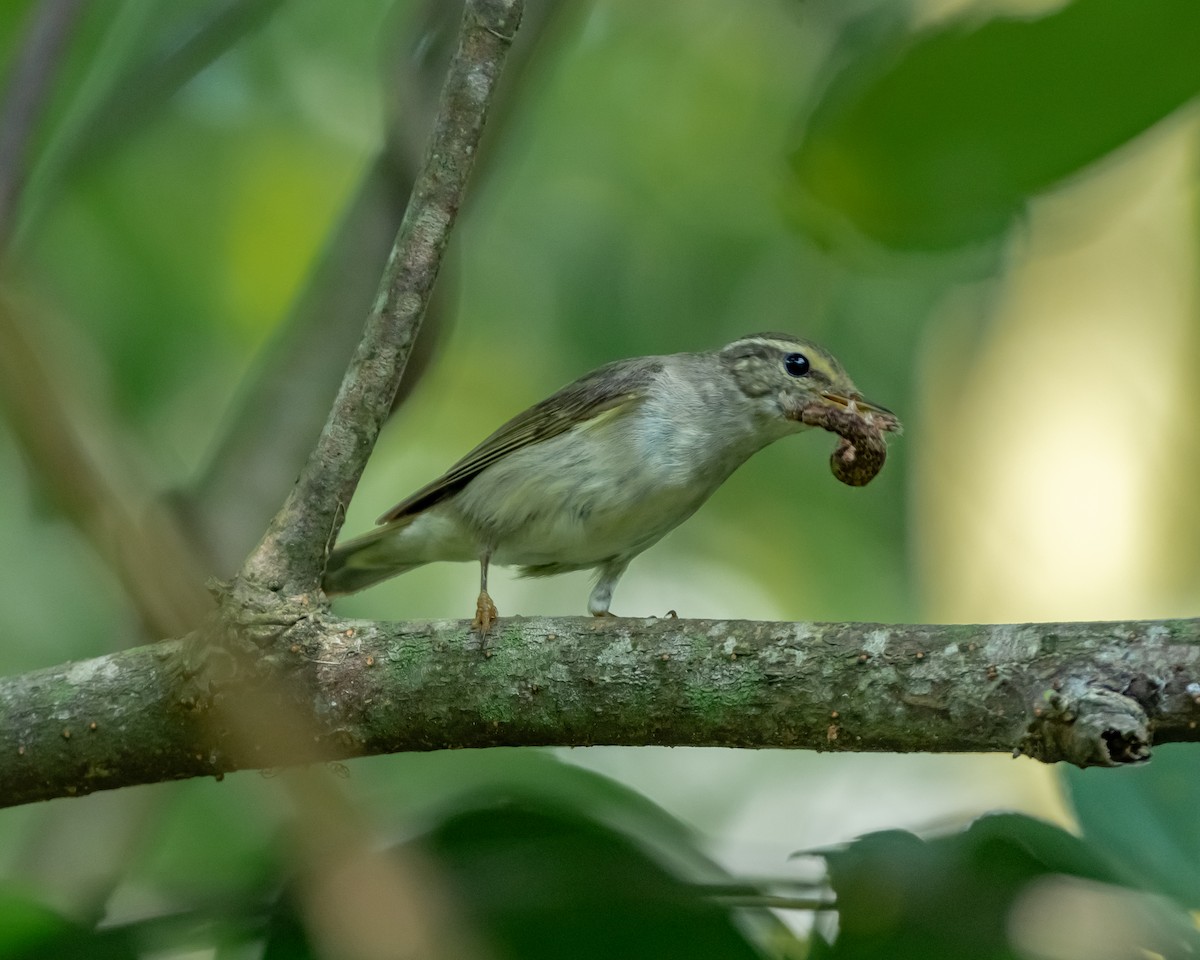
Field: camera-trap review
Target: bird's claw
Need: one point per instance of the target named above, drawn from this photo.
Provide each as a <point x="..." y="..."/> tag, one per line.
<point x="669" y="615"/>
<point x="485" y="614"/>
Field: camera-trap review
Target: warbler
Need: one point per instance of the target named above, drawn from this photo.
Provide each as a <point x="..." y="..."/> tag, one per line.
<point x="604" y="468"/>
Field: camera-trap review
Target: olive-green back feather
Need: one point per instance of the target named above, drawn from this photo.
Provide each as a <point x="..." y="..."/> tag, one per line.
<point x="615" y="385"/>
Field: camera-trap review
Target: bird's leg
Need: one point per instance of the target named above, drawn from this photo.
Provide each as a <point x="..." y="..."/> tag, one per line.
<point x="602" y="593"/>
<point x="485" y="610"/>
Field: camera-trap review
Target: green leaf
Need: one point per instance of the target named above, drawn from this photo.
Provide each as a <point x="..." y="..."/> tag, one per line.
<point x="903" y="897"/>
<point x="550" y="860"/>
<point x="542" y="880"/>
<point x="939" y="140"/>
<point x="1145" y="818"/>
<point x="29" y="930"/>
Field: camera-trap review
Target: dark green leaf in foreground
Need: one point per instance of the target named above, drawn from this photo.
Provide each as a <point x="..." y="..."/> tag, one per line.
<point x="30" y="931"/>
<point x="939" y="140"/>
<point x="903" y="897"/>
<point x="545" y="881"/>
<point x="575" y="865"/>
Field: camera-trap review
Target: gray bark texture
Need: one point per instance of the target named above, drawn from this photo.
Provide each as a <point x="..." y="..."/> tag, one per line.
<point x="330" y="689"/>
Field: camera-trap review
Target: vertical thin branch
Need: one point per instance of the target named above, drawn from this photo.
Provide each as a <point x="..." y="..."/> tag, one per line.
<point x="291" y="556"/>
<point x="284" y="401"/>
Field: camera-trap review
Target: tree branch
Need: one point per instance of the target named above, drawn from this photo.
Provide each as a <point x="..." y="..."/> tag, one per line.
<point x="1084" y="693"/>
<point x="291" y="556"/>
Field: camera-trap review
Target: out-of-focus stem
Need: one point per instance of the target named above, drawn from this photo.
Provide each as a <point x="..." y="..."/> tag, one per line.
<point x="111" y="504"/>
<point x="25" y="94"/>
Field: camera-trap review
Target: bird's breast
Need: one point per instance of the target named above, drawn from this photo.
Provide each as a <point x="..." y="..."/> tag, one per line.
<point x="593" y="493"/>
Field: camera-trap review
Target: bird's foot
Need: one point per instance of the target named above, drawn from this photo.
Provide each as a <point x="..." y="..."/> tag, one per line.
<point x="485" y="614"/>
<point x="669" y="615"/>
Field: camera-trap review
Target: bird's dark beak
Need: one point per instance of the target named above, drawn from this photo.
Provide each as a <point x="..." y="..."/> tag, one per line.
<point x="856" y="403"/>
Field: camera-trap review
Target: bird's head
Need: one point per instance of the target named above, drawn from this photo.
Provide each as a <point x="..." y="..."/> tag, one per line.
<point x="788" y="375"/>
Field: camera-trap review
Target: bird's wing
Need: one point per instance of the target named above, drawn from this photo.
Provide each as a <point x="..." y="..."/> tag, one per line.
<point x="619" y="386"/>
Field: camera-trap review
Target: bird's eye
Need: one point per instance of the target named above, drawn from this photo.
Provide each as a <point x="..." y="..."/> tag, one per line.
<point x="796" y="364"/>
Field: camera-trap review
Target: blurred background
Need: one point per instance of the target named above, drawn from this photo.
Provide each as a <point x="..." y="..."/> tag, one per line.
<point x="986" y="210"/>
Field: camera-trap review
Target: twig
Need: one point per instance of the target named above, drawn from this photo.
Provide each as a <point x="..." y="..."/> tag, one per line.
<point x="291" y="556"/>
<point x="774" y="901"/>
<point x="755" y="894"/>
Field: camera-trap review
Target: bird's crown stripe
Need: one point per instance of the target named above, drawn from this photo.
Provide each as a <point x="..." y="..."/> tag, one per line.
<point x="767" y="342"/>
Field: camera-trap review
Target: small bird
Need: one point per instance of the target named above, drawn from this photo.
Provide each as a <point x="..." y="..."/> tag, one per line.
<point x="607" y="466"/>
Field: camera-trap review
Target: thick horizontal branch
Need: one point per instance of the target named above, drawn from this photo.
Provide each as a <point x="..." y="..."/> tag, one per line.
<point x="1085" y="693"/>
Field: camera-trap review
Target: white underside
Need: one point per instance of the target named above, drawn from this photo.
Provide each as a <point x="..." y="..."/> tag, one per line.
<point x="598" y="494"/>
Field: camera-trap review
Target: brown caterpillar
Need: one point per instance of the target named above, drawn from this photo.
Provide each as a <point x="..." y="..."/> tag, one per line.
<point x="862" y="449"/>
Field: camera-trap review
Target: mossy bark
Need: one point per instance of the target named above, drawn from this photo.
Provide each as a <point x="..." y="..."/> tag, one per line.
<point x="1083" y="693"/>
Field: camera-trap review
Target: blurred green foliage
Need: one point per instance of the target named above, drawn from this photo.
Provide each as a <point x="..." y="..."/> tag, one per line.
<point x="1144" y="820"/>
<point x="939" y="139"/>
<point x="28" y="929"/>
<point x="553" y="882"/>
<point x="959" y="895"/>
<point x="635" y="197"/>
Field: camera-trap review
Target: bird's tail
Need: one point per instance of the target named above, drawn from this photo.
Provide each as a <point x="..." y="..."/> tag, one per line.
<point x="366" y="560"/>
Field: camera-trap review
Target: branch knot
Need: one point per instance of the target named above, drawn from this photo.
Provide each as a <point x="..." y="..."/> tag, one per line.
<point x="1089" y="726"/>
